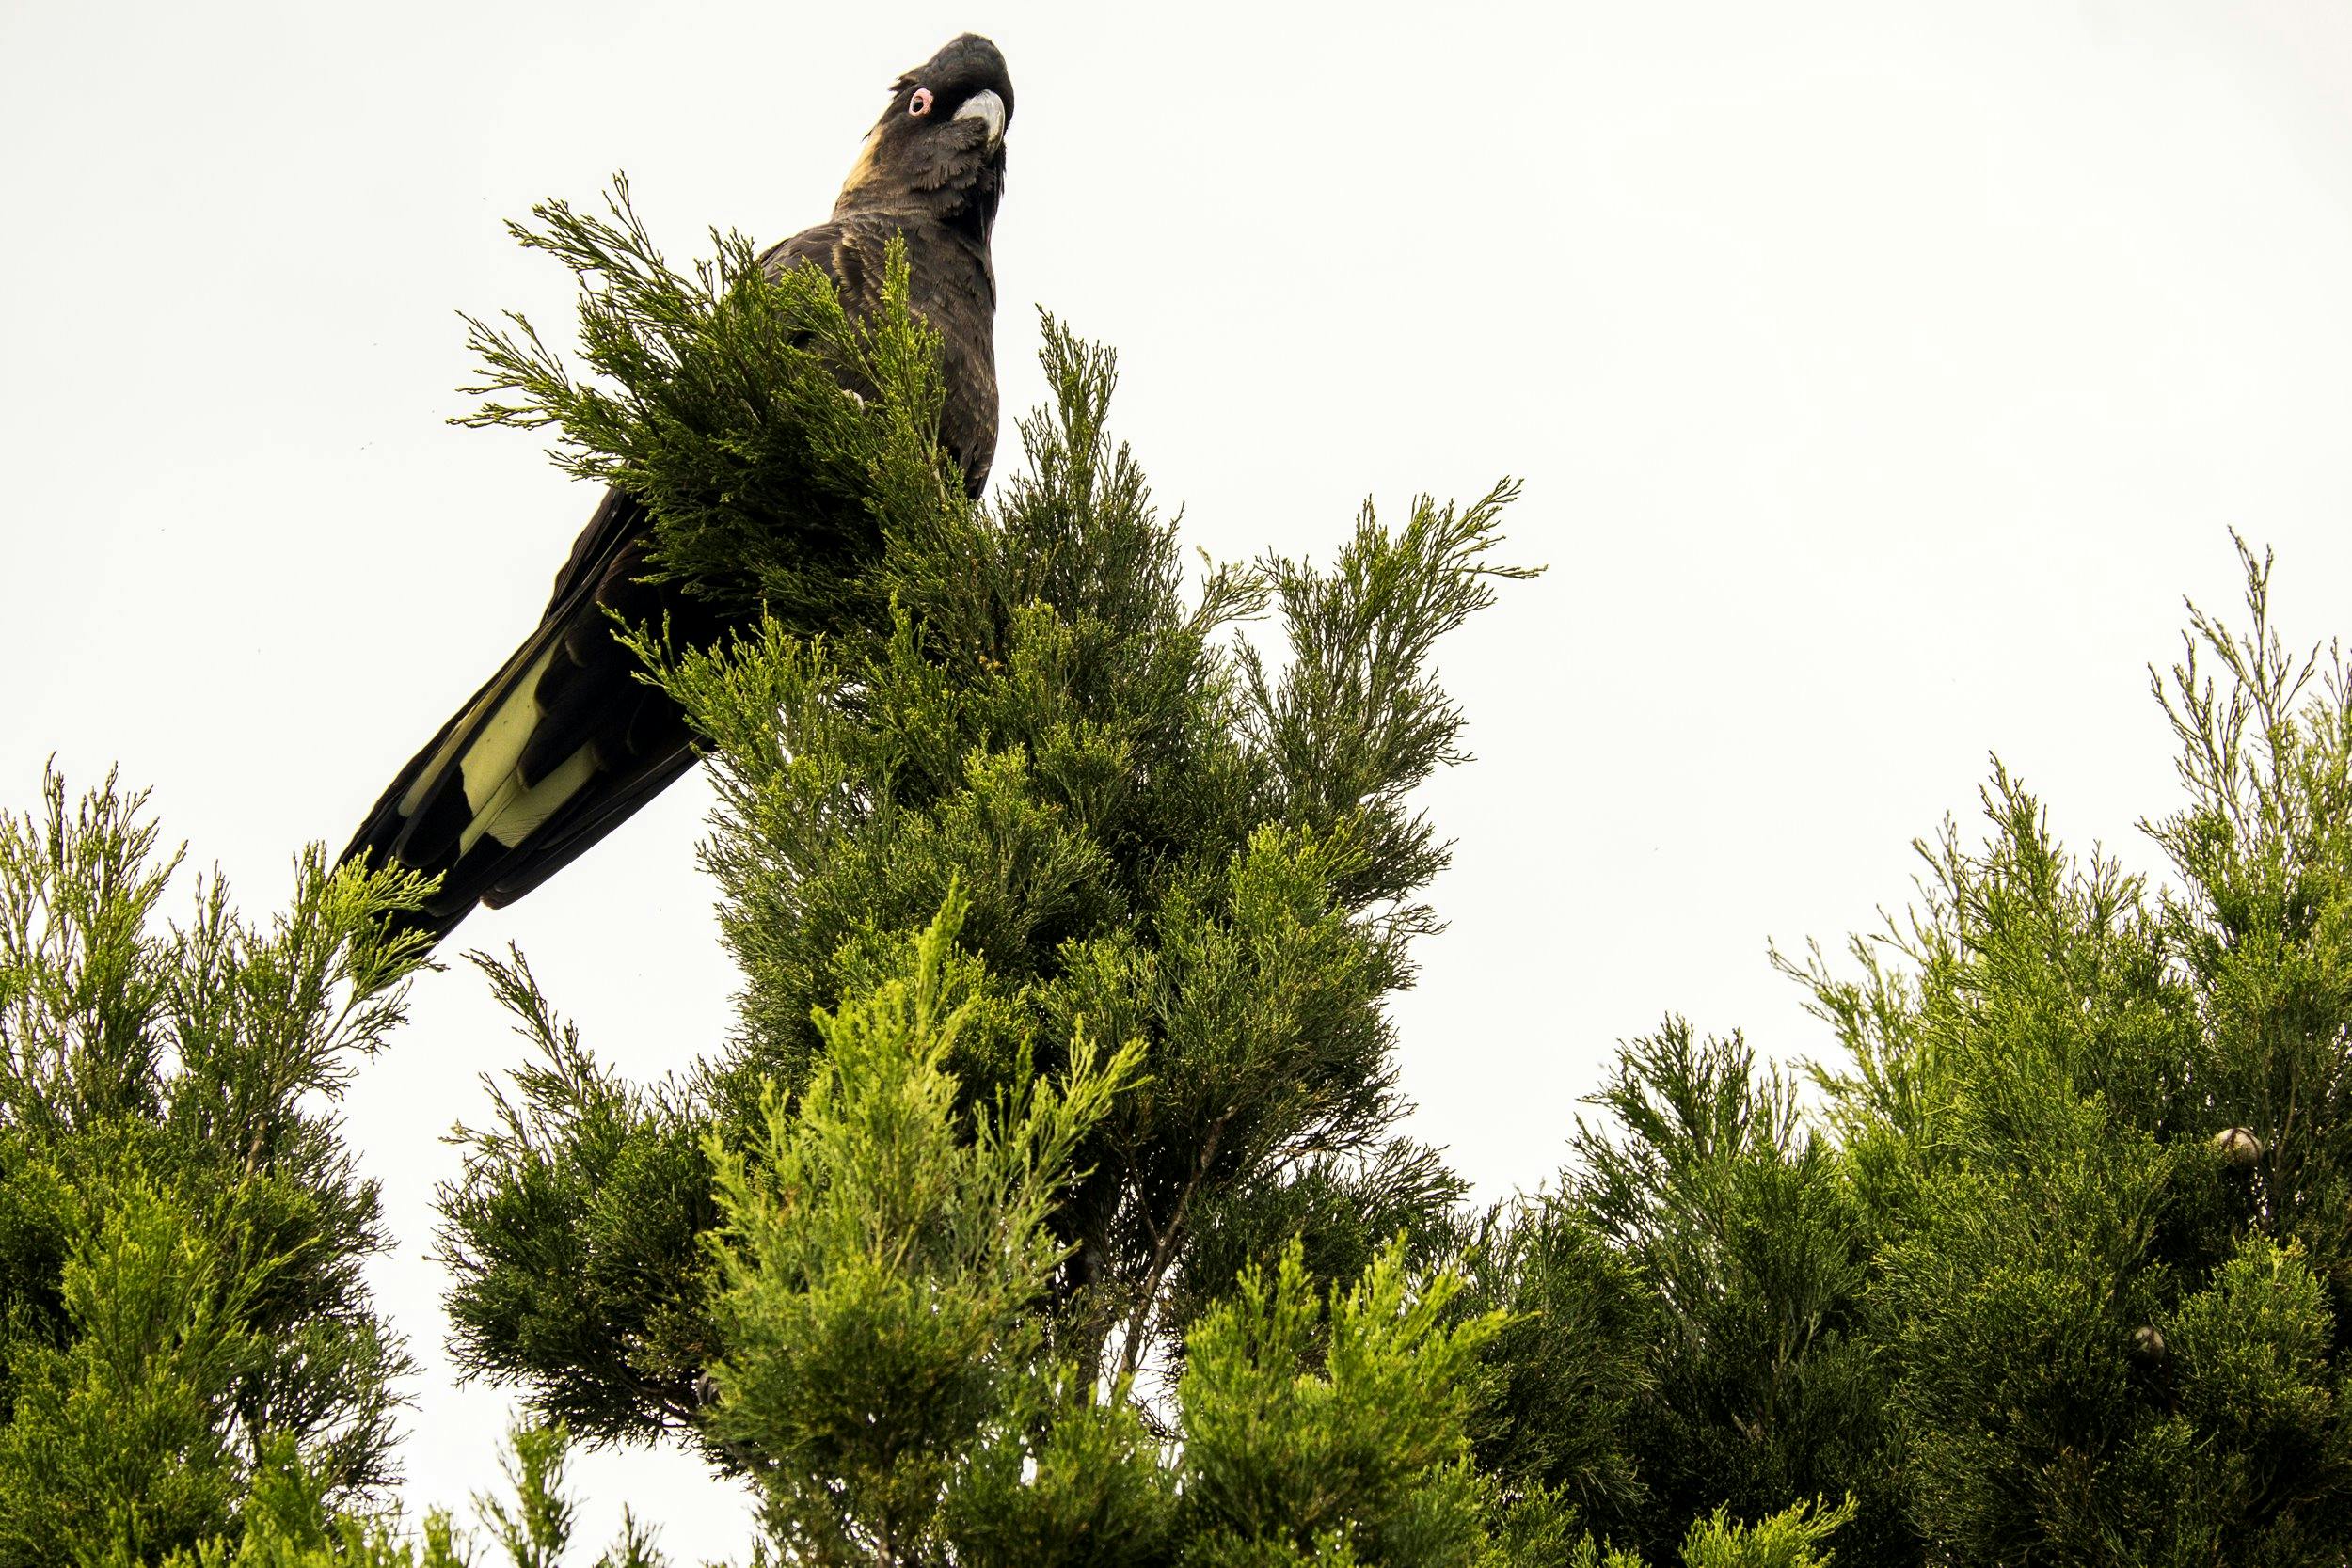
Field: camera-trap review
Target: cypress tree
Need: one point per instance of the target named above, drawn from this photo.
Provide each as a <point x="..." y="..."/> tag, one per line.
<point x="181" y="1225"/>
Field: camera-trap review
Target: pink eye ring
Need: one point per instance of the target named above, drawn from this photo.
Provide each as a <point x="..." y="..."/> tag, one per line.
<point x="921" y="102"/>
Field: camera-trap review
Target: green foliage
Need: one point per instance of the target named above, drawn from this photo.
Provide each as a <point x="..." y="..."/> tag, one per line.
<point x="2062" y="1274"/>
<point x="1569" y="1371"/>
<point x="878" y="1266"/>
<point x="1342" y="1212"/>
<point x="2264" y="933"/>
<point x="181" y="1227"/>
<point x="1357" y="717"/>
<point x="289" y="1521"/>
<point x="1331" y="1439"/>
<point x="1691" y="1330"/>
<point x="1762" y="1390"/>
<point x="581" y="1180"/>
<point x="888" y="1383"/>
<point x="1066" y="1477"/>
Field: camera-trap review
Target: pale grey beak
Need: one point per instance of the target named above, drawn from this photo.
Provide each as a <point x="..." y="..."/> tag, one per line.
<point x="989" y="109"/>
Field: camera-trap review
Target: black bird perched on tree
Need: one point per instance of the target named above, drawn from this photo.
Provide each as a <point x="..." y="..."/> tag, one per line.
<point x="564" y="743"/>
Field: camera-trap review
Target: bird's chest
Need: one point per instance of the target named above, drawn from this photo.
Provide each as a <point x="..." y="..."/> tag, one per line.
<point x="957" y="296"/>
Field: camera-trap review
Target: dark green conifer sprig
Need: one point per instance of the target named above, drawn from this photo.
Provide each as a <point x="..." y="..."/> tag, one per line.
<point x="1755" y="1386"/>
<point x="1357" y="717"/>
<point x="578" y="1181"/>
<point x="1568" y="1378"/>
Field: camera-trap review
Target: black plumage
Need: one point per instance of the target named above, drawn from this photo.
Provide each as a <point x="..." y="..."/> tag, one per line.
<point x="564" y="743"/>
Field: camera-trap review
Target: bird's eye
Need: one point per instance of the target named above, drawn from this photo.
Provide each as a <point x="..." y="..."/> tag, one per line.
<point x="921" y="102"/>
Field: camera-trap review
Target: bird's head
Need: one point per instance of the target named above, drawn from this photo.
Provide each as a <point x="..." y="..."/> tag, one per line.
<point x="939" y="148"/>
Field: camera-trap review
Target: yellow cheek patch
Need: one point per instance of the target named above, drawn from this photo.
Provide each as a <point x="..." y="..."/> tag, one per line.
<point x="863" y="170"/>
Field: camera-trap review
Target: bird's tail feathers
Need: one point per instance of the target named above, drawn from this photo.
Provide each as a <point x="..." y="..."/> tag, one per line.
<point x="464" y="805"/>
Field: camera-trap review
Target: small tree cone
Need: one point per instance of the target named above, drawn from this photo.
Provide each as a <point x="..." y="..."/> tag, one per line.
<point x="2238" y="1146"/>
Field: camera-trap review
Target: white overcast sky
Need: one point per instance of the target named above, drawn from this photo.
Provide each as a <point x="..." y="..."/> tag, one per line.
<point x="1882" y="375"/>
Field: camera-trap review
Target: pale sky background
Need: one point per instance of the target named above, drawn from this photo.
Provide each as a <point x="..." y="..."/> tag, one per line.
<point x="1883" y="376"/>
